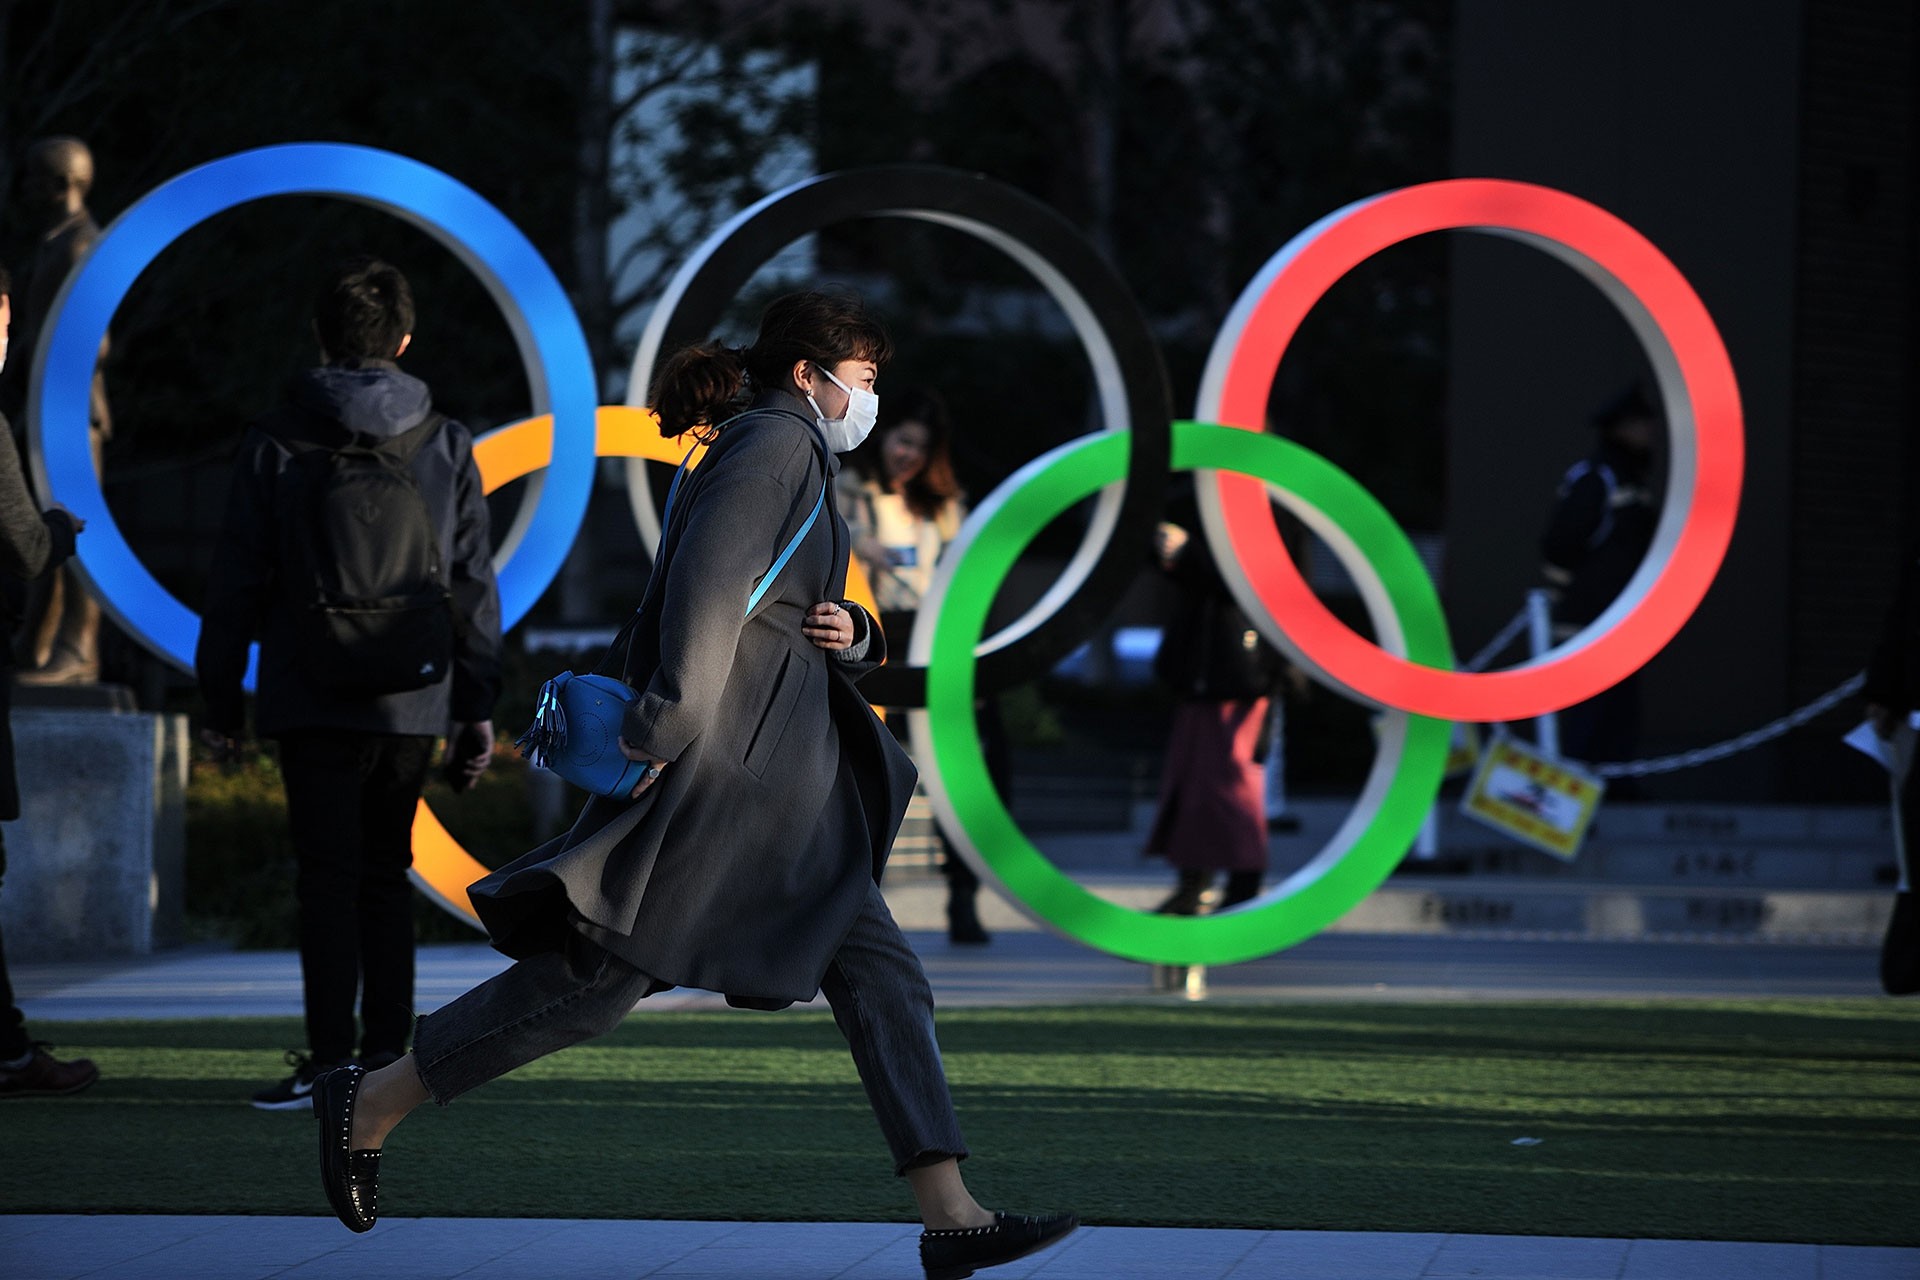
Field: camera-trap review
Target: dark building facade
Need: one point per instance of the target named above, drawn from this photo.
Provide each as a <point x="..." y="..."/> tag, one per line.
<point x="1768" y="149"/>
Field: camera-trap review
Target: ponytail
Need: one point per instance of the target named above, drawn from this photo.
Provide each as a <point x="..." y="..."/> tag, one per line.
<point x="697" y="386"/>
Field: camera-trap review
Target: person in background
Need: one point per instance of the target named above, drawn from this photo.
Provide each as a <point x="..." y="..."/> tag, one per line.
<point x="1212" y="815"/>
<point x="1602" y="524"/>
<point x="1892" y="692"/>
<point x="352" y="495"/>
<point x="903" y="506"/>
<point x="32" y="543"/>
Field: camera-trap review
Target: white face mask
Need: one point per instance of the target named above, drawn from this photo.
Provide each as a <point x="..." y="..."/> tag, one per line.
<point x="846" y="432"/>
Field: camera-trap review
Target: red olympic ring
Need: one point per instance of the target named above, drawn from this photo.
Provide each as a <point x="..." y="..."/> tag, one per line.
<point x="1696" y="383"/>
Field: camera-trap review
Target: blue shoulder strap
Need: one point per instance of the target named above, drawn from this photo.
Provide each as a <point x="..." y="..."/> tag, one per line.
<point x="787" y="555"/>
<point x="780" y="562"/>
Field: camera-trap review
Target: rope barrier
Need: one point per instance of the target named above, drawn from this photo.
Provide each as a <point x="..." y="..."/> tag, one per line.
<point x="1734" y="746"/>
<point x="1701" y="755"/>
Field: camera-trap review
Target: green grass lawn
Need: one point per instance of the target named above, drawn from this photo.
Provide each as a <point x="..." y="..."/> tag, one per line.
<point x="1777" y="1120"/>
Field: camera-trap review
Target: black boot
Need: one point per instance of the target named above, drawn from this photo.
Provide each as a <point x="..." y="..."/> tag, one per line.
<point x="1186" y="897"/>
<point x="1900" y="949"/>
<point x="963" y="920"/>
<point x="1242" y="886"/>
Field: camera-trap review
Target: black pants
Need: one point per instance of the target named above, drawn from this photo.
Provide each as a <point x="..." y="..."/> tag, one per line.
<point x="875" y="986"/>
<point x="1900" y="949"/>
<point x="13" y="1026"/>
<point x="351" y="800"/>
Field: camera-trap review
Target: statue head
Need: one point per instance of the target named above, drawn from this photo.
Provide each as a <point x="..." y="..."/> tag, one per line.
<point x="56" y="178"/>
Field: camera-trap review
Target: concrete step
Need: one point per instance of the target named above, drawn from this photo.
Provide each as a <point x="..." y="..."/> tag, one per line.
<point x="1865" y="865"/>
<point x="1506" y="906"/>
<point x="1756" y="847"/>
<point x="1602" y="910"/>
<point x="1744" y="824"/>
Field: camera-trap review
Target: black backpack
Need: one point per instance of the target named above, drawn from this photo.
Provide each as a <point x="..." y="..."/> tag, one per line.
<point x="373" y="610"/>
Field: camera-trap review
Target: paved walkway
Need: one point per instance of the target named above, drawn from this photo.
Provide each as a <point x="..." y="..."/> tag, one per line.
<point x="1039" y="968"/>
<point x="210" y="1248"/>
<point x="1017" y="968"/>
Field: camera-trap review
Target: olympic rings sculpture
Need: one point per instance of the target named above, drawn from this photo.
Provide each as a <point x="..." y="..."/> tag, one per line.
<point x="948" y="660"/>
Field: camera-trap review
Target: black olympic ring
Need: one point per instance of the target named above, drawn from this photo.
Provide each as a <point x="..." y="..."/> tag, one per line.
<point x="1130" y="378"/>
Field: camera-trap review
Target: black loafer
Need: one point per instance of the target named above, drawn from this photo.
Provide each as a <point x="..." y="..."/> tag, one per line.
<point x="351" y="1178"/>
<point x="952" y="1255"/>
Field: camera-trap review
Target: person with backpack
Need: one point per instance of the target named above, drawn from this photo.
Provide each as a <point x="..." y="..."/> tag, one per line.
<point x="356" y="552"/>
<point x="745" y="857"/>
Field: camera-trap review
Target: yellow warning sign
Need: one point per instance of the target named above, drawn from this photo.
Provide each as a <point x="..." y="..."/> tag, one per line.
<point x="1532" y="797"/>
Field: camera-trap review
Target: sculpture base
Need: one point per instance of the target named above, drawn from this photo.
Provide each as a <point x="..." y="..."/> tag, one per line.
<point x="96" y="864"/>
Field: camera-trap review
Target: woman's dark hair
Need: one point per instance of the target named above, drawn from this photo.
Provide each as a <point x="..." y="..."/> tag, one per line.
<point x="699" y="384"/>
<point x="936" y="484"/>
<point x="6" y="282"/>
<point x="364" y="309"/>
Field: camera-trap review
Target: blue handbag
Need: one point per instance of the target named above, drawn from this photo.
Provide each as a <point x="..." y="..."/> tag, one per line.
<point x="576" y="734"/>
<point x="576" y="719"/>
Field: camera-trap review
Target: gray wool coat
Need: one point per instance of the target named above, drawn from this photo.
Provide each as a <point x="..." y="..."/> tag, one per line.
<point x="742" y="868"/>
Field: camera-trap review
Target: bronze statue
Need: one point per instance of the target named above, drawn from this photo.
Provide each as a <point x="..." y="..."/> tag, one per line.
<point x="61" y="640"/>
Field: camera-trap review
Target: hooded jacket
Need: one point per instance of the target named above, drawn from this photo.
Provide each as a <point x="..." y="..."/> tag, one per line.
<point x="1602" y="525"/>
<point x="249" y="599"/>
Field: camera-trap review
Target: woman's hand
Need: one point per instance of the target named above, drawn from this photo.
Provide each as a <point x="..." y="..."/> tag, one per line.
<point x="654" y="766"/>
<point x="829" y="626"/>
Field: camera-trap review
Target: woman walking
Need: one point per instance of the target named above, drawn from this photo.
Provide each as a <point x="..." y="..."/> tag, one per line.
<point x="902" y="506"/>
<point x="1213" y="791"/>
<point x="745" y="861"/>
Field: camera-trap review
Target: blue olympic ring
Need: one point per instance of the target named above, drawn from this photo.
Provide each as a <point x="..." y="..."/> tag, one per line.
<point x="537" y="309"/>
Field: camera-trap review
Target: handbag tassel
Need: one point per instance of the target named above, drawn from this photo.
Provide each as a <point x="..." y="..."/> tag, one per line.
<point x="548" y="732"/>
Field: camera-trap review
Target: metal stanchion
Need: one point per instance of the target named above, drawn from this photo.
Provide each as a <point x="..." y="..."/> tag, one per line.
<point x="1540" y="638"/>
<point x="1426" y="845"/>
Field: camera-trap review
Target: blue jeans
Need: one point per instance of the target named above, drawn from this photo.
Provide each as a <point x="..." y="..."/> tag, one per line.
<point x="875" y="986"/>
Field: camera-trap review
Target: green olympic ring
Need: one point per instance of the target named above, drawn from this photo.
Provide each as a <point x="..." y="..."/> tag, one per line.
<point x="1407" y="771"/>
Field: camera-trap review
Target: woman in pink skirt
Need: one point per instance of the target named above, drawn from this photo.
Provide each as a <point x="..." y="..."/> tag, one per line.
<point x="1213" y="793"/>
